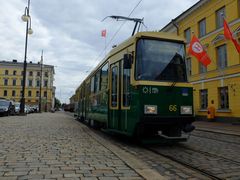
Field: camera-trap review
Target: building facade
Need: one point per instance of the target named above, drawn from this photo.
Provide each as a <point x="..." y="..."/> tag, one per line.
<point x="218" y="85"/>
<point x="11" y="81"/>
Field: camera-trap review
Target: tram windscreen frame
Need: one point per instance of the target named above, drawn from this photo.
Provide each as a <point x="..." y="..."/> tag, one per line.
<point x="160" y="60"/>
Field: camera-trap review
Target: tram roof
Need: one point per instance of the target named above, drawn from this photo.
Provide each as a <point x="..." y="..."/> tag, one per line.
<point x="131" y="40"/>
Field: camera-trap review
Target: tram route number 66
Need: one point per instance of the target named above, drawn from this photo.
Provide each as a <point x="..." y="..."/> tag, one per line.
<point x="172" y="107"/>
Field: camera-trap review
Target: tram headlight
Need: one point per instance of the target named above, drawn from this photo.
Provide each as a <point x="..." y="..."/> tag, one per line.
<point x="186" y="109"/>
<point x="150" y="109"/>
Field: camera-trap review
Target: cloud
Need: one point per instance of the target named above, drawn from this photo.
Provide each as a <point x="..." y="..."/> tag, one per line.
<point x="69" y="32"/>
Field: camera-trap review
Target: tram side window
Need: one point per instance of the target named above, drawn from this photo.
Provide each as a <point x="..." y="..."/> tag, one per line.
<point x="92" y="84"/>
<point x="114" y="86"/>
<point x="97" y="82"/>
<point x="88" y="89"/>
<point x="104" y="77"/>
<point x="126" y="85"/>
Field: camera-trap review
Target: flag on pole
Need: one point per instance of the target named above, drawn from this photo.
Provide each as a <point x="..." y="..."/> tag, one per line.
<point x="196" y="49"/>
<point x="104" y="33"/>
<point x="228" y="35"/>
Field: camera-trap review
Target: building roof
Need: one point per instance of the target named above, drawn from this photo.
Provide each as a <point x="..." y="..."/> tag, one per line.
<point x="14" y="62"/>
<point x="184" y="15"/>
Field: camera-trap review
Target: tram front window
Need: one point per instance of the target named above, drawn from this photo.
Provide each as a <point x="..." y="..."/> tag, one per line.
<point x="158" y="60"/>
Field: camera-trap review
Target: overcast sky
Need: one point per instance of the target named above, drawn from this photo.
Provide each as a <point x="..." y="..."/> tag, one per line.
<point x="69" y="32"/>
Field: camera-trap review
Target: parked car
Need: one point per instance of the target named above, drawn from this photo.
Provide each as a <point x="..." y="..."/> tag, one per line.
<point x="6" y="107"/>
<point x="17" y="107"/>
<point x="27" y="109"/>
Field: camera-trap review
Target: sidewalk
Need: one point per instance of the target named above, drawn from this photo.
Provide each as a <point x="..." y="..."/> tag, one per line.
<point x="218" y="127"/>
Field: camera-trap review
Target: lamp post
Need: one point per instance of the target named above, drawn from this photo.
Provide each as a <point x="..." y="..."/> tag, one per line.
<point x="26" y="18"/>
<point x="40" y="89"/>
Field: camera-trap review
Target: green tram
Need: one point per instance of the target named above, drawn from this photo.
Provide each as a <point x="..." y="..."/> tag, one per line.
<point x="140" y="88"/>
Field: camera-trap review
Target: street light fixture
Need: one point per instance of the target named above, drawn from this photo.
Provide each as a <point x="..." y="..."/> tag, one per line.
<point x="26" y="18"/>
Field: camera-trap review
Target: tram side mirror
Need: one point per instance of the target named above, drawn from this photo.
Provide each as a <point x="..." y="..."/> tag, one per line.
<point x="127" y="61"/>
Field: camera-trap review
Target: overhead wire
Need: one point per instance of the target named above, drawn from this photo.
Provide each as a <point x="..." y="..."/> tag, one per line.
<point x="107" y="45"/>
<point x="114" y="35"/>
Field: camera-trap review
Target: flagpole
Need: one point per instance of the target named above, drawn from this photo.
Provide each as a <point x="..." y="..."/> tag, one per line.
<point x="105" y="44"/>
<point x="104" y="35"/>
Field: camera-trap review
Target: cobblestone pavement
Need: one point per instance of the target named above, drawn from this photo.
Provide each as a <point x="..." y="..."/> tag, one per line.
<point x="216" y="154"/>
<point x="55" y="146"/>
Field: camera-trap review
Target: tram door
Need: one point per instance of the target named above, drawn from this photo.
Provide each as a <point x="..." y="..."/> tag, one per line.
<point x="119" y="96"/>
<point x="114" y="114"/>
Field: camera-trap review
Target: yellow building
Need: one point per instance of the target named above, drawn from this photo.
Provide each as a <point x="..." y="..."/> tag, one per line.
<point x="218" y="85"/>
<point x="11" y="83"/>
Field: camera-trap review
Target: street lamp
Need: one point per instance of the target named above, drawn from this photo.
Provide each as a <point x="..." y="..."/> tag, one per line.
<point x="26" y="18"/>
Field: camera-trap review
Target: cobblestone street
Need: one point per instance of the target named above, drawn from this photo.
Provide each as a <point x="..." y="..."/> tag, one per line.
<point x="55" y="146"/>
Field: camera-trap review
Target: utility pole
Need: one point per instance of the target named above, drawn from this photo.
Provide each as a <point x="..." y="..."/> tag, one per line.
<point x="26" y="18"/>
<point x="40" y="93"/>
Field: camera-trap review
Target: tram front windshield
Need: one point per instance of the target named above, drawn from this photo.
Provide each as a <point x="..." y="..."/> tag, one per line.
<point x="158" y="60"/>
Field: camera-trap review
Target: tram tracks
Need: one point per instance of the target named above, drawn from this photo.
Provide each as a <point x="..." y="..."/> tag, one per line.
<point x="219" y="137"/>
<point x="187" y="165"/>
<point x="193" y="159"/>
<point x="181" y="155"/>
<point x="209" y="154"/>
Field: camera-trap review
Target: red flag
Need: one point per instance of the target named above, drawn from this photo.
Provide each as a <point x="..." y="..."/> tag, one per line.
<point x="196" y="49"/>
<point x="228" y="35"/>
<point x="227" y="31"/>
<point x="104" y="33"/>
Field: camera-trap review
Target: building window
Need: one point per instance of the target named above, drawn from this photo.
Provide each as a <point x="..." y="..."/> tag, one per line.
<point x="38" y="73"/>
<point x="30" y="73"/>
<point x="30" y="83"/>
<point x="238" y="8"/>
<point x="5" y="93"/>
<point x="37" y="93"/>
<point x="187" y="35"/>
<point x="14" y="82"/>
<point x="223" y="98"/>
<point x="46" y="74"/>
<point x="6" y="72"/>
<point x="5" y="82"/>
<point x="222" y="56"/>
<point x="203" y="99"/>
<point x="202" y="28"/>
<point x="13" y="93"/>
<point x="45" y="93"/>
<point x="220" y="14"/>
<point x="14" y="73"/>
<point x="45" y="83"/>
<point x="189" y="66"/>
<point x="202" y="68"/>
<point x="29" y="93"/>
<point x="38" y="83"/>
<point x="21" y="82"/>
<point x="22" y="73"/>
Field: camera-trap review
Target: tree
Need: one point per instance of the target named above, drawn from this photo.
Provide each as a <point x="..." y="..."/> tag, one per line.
<point x="57" y="103"/>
